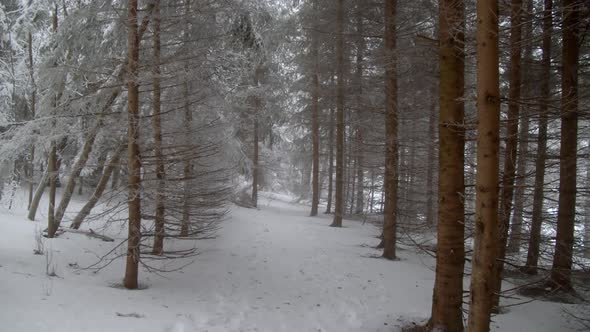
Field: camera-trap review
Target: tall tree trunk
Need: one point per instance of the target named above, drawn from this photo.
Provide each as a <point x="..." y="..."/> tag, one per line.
<point x="159" y="233"/>
<point x="134" y="163"/>
<point x="52" y="167"/>
<point x="340" y="125"/>
<point x="33" y="111"/>
<point x="566" y="213"/>
<point x="188" y="167"/>
<point x="538" y="197"/>
<point x="99" y="190"/>
<point x="315" y="125"/>
<point x="514" y="242"/>
<point x="331" y="162"/>
<point x="488" y="130"/>
<point x="360" y="197"/>
<point x="507" y="186"/>
<point x="390" y="181"/>
<point x="255" y="162"/>
<point x="447" y="300"/>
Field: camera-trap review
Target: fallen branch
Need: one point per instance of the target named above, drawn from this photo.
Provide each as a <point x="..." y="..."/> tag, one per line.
<point x="90" y="233"/>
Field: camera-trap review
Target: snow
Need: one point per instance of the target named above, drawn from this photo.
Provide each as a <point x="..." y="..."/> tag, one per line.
<point x="270" y="269"/>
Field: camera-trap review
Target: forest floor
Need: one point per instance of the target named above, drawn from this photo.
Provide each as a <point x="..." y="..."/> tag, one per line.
<point x="269" y="269"/>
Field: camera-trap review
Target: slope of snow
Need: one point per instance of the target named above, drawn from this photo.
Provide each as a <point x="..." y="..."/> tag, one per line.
<point x="272" y="269"/>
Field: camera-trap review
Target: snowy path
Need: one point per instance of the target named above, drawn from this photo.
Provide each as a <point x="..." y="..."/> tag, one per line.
<point x="272" y="269"/>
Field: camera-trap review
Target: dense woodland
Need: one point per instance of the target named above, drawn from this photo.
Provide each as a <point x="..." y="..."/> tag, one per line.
<point x="466" y="119"/>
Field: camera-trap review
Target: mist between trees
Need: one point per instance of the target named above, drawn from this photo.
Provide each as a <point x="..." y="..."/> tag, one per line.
<point x="459" y="118"/>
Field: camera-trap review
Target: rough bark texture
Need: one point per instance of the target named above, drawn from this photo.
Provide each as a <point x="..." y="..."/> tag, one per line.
<point x="159" y="233"/>
<point x="391" y="124"/>
<point x="340" y="125"/>
<point x="486" y="209"/>
<point x="98" y="191"/>
<point x="538" y="195"/>
<point x="134" y="163"/>
<point x="508" y="176"/>
<point x="564" y="241"/>
<point x="447" y="301"/>
<point x="587" y="217"/>
<point x="53" y="174"/>
<point x="188" y="167"/>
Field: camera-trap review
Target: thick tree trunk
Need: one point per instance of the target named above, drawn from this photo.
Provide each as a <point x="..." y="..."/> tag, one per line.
<point x="315" y="125"/>
<point x="390" y="181"/>
<point x="566" y="213"/>
<point x="447" y="300"/>
<point x="340" y="124"/>
<point x="331" y="162"/>
<point x="158" y="248"/>
<point x="538" y="196"/>
<point x="507" y="186"/>
<point x="134" y="163"/>
<point x="488" y="129"/>
<point x="99" y="190"/>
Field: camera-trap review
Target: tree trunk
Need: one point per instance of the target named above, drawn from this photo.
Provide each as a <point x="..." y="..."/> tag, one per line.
<point x="315" y="126"/>
<point x="566" y="213"/>
<point x="391" y="141"/>
<point x="538" y="197"/>
<point x="33" y="111"/>
<point x="430" y="221"/>
<point x="53" y="174"/>
<point x="331" y="162"/>
<point x="447" y="300"/>
<point x="255" y="162"/>
<point x="75" y="173"/>
<point x="188" y="167"/>
<point x="134" y="163"/>
<point x="340" y="125"/>
<point x="587" y="216"/>
<point x="38" y="194"/>
<point x="515" y="240"/>
<point x="360" y="198"/>
<point x="99" y="190"/>
<point x="507" y="186"/>
<point x="488" y="128"/>
<point x="159" y="234"/>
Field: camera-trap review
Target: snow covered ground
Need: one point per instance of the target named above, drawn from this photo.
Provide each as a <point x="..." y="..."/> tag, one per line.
<point x="271" y="269"/>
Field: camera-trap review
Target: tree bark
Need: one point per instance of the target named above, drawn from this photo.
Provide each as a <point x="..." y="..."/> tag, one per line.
<point x="507" y="193"/>
<point x="360" y="197"/>
<point x="566" y="213"/>
<point x="75" y="172"/>
<point x="315" y="126"/>
<point x="99" y="190"/>
<point x="33" y="111"/>
<point x="538" y="195"/>
<point x="488" y="128"/>
<point x="52" y="167"/>
<point x="430" y="207"/>
<point x="38" y="194"/>
<point x="391" y="140"/>
<point x="255" y="156"/>
<point x="134" y="163"/>
<point x="331" y="162"/>
<point x="587" y="216"/>
<point x="447" y="300"/>
<point x="340" y="123"/>
<point x="158" y="248"/>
